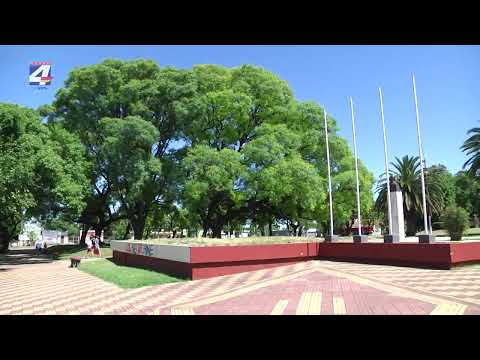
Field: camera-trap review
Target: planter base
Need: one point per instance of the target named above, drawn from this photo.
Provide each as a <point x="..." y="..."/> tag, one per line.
<point x="390" y="239"/>
<point x="360" y="238"/>
<point x="331" y="238"/>
<point x="426" y="239"/>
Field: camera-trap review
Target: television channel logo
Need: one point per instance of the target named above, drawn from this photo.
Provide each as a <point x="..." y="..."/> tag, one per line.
<point x="40" y="73"/>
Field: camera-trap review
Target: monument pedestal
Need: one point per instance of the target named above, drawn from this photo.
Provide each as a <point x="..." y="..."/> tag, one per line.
<point x="397" y="231"/>
<point x="390" y="239"/>
<point x="331" y="238"/>
<point x="426" y="239"/>
<point x="360" y="238"/>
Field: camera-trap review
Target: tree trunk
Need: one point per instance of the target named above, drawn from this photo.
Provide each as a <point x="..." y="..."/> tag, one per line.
<point x="294" y="229"/>
<point x="99" y="229"/>
<point x="138" y="226"/>
<point x="85" y="229"/>
<point x="217" y="232"/>
<point x="4" y="242"/>
<point x="270" y="232"/>
<point x="411" y="224"/>
<point x="127" y="231"/>
<point x="205" y="227"/>
<point x="262" y="230"/>
<point x="349" y="226"/>
<point x="148" y="232"/>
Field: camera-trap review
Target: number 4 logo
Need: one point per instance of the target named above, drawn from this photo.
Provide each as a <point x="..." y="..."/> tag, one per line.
<point x="40" y="73"/>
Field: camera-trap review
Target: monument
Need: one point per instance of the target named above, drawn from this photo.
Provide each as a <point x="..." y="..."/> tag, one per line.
<point x="397" y="231"/>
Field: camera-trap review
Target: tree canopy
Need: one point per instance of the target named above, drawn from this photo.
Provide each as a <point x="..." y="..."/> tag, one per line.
<point x="140" y="146"/>
<point x="471" y="147"/>
<point x="145" y="97"/>
<point x="43" y="171"/>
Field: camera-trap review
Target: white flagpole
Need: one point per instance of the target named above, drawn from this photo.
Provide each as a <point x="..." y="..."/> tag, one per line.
<point x="386" y="165"/>
<point x="329" y="176"/>
<point x="356" y="170"/>
<point x="421" y="157"/>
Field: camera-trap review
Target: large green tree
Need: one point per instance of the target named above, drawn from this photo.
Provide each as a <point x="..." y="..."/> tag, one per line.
<point x="229" y="104"/>
<point x="127" y="154"/>
<point x="213" y="188"/>
<point x="116" y="90"/>
<point x="281" y="142"/>
<point x="281" y="184"/>
<point x="446" y="182"/>
<point x="307" y="120"/>
<point x="42" y="171"/>
<point x="224" y="113"/>
<point x="467" y="193"/>
<point x="233" y="141"/>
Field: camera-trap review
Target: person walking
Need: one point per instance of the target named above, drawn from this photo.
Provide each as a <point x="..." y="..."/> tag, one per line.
<point x="89" y="244"/>
<point x="96" y="249"/>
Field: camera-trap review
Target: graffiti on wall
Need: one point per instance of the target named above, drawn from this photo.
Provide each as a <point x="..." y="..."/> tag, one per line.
<point x="140" y="249"/>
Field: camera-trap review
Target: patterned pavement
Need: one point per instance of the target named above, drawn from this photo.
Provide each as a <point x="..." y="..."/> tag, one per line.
<point x="309" y="288"/>
<point x="462" y="283"/>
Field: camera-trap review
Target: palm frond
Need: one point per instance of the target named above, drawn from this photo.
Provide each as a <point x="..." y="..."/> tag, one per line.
<point x="471" y="147"/>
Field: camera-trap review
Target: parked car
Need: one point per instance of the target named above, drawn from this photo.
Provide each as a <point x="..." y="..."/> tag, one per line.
<point x="39" y="245"/>
<point x="366" y="230"/>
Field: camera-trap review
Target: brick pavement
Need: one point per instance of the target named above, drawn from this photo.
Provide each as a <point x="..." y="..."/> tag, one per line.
<point x="314" y="287"/>
<point x="461" y="283"/>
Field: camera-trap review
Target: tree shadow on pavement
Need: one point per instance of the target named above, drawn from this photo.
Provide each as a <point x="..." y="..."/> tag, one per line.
<point x="23" y="257"/>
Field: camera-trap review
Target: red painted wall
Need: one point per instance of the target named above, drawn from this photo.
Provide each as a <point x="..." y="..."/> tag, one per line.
<point x="465" y="252"/>
<point x="411" y="254"/>
<point x="203" y="271"/>
<point x="168" y="266"/>
<point x="252" y="252"/>
<point x="213" y="261"/>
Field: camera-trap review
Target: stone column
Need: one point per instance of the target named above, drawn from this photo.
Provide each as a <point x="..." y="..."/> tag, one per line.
<point x="397" y="231"/>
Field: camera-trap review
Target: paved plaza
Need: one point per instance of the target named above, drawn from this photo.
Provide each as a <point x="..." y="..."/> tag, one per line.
<point x="313" y="287"/>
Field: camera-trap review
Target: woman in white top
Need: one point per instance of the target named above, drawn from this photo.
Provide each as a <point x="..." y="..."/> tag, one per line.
<point x="96" y="250"/>
<point x="89" y="244"/>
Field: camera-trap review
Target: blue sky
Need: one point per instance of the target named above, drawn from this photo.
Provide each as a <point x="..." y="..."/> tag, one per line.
<point x="448" y="86"/>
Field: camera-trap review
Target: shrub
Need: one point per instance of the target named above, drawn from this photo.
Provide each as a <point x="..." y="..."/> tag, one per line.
<point x="456" y="222"/>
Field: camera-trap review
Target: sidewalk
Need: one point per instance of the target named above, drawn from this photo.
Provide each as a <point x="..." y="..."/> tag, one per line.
<point x="314" y="287"/>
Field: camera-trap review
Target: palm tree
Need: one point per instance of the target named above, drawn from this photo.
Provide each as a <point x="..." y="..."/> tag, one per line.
<point x="407" y="173"/>
<point x="472" y="147"/>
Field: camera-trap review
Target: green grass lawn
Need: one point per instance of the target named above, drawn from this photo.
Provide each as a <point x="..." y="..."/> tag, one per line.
<point x="232" y="241"/>
<point x="125" y="276"/>
<point x="64" y="252"/>
<point x="468" y="232"/>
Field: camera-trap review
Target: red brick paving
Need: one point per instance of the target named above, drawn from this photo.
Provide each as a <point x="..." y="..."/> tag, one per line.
<point x="55" y="288"/>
